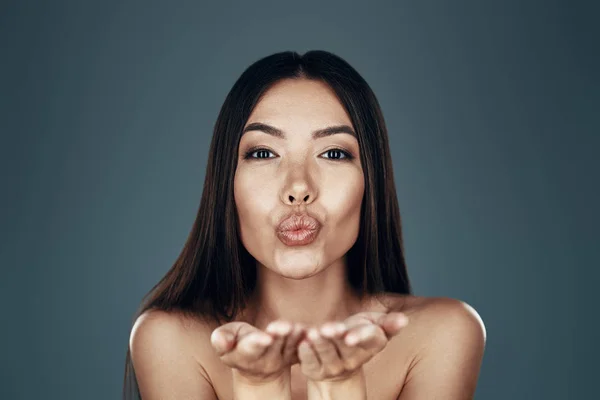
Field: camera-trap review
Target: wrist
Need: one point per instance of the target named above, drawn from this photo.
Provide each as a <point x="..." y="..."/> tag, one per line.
<point x="349" y="388"/>
<point x="251" y="387"/>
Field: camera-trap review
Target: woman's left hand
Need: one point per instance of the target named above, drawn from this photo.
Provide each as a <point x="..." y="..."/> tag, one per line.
<point x="335" y="351"/>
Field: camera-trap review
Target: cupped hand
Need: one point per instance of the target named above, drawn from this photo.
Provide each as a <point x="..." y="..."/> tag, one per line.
<point x="258" y="355"/>
<point x="337" y="350"/>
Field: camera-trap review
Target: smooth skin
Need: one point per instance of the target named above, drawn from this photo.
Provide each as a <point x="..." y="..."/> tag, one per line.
<point x="330" y="356"/>
<point x="256" y="355"/>
<point x="337" y="351"/>
<point x="332" y="352"/>
<point x="436" y="355"/>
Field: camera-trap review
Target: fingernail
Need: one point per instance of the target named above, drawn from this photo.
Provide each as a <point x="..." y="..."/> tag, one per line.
<point x="278" y="328"/>
<point x="313" y="334"/>
<point x="284" y="329"/>
<point x="272" y="327"/>
<point x="304" y="346"/>
<point x="352" y="340"/>
<point x="215" y="336"/>
<point x="328" y="330"/>
<point x="368" y="332"/>
<point x="265" y="340"/>
<point x="402" y="320"/>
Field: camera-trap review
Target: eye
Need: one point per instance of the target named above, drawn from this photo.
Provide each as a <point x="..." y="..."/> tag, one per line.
<point x="338" y="154"/>
<point x="263" y="154"/>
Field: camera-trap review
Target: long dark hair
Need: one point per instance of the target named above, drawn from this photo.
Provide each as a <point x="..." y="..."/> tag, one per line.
<point x="214" y="275"/>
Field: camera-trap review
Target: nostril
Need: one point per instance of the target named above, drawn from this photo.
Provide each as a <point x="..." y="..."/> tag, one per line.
<point x="292" y="199"/>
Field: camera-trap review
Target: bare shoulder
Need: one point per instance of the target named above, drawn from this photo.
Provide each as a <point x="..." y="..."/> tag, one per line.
<point x="436" y="314"/>
<point x="167" y="350"/>
<point x="453" y="320"/>
<point x="446" y="338"/>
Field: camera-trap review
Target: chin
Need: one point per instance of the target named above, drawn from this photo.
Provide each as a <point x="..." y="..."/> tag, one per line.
<point x="298" y="266"/>
<point x="297" y="273"/>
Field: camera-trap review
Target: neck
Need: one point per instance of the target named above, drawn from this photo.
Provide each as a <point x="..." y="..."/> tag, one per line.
<point x="326" y="296"/>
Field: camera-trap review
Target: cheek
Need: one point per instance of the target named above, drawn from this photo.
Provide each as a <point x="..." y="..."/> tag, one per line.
<point x="344" y="196"/>
<point x="343" y="202"/>
<point x="254" y="200"/>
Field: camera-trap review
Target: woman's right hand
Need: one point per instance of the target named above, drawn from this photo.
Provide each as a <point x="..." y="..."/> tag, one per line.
<point x="256" y="355"/>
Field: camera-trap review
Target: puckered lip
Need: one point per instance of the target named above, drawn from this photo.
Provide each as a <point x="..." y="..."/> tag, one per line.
<point x="298" y="221"/>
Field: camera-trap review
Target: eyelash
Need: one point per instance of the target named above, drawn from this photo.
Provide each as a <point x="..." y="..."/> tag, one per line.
<point x="247" y="155"/>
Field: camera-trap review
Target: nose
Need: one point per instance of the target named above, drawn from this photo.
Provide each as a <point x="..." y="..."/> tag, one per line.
<point x="299" y="192"/>
<point x="298" y="185"/>
<point x="292" y="200"/>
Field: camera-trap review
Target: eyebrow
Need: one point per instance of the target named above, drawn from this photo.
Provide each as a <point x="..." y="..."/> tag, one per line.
<point x="319" y="133"/>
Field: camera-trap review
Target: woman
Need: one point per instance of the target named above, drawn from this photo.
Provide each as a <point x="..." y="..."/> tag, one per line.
<point x="293" y="283"/>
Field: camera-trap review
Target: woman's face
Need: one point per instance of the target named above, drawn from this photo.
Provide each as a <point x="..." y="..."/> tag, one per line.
<point x="298" y="172"/>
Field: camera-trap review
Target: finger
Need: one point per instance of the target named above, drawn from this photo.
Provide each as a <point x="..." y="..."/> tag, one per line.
<point x="392" y="323"/>
<point x="290" y="351"/>
<point x="222" y="340"/>
<point x="360" y="345"/>
<point x="308" y="359"/>
<point x="357" y="320"/>
<point x="225" y="336"/>
<point x="247" y="349"/>
<point x="325" y="349"/>
<point x="254" y="344"/>
<point x="336" y="333"/>
<point x="280" y="331"/>
<point x="333" y="330"/>
<point x="371" y="338"/>
<point x="363" y="334"/>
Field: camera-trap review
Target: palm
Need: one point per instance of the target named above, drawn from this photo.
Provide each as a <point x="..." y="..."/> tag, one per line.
<point x="255" y="353"/>
<point x="337" y="350"/>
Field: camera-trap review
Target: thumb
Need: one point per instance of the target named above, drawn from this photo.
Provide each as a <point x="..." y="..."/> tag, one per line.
<point x="392" y="323"/>
<point x="307" y="357"/>
<point x="225" y="337"/>
<point x="223" y="340"/>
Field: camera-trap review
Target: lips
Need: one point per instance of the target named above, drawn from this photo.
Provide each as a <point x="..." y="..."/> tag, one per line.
<point x="298" y="230"/>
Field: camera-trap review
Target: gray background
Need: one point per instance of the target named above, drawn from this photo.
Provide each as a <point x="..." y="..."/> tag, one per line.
<point x="107" y="110"/>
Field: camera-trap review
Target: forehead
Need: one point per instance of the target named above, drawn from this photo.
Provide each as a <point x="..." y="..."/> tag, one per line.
<point x="300" y="101"/>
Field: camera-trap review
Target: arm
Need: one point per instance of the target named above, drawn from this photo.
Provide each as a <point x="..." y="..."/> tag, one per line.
<point x="448" y="362"/>
<point x="277" y="389"/>
<point x="333" y="355"/>
<point x="354" y="388"/>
